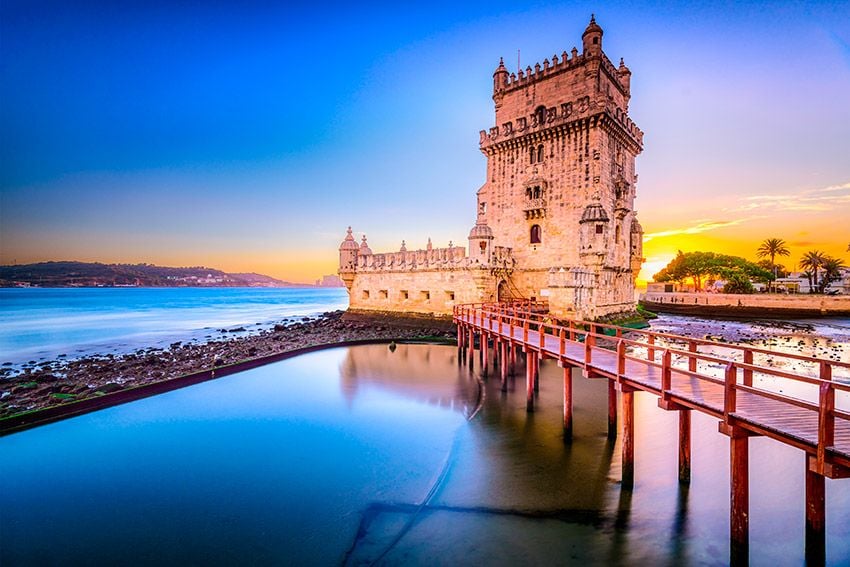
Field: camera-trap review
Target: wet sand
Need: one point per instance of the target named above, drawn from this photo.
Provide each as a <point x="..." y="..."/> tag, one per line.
<point x="41" y="385"/>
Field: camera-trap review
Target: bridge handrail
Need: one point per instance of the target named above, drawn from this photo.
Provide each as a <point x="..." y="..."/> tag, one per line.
<point x="827" y="386"/>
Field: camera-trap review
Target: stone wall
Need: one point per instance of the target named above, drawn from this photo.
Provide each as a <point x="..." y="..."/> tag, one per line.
<point x="750" y="305"/>
<point x="421" y="291"/>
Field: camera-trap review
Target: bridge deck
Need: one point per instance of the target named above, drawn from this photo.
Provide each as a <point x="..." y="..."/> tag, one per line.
<point x="761" y="411"/>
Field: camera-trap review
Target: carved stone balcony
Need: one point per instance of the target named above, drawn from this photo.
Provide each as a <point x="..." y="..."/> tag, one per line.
<point x="535" y="208"/>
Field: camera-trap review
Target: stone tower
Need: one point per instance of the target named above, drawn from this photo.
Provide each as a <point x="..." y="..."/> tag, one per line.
<point x="555" y="217"/>
<point x="561" y="179"/>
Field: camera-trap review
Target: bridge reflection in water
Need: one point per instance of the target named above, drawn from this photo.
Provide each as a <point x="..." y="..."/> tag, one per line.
<point x="512" y="490"/>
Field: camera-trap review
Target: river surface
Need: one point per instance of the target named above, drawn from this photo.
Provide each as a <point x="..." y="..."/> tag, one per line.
<point x="363" y="454"/>
<point x="42" y="323"/>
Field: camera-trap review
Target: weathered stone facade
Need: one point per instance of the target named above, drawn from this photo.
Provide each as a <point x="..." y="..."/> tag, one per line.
<point x="555" y="217"/>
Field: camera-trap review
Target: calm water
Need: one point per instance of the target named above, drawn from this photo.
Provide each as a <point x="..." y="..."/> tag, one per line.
<point x="44" y="323"/>
<point x="327" y="457"/>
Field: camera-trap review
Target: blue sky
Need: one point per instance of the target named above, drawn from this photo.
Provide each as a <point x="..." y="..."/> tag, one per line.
<point x="248" y="135"/>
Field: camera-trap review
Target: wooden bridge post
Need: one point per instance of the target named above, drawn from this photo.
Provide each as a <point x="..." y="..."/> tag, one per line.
<point x="568" y="403"/>
<point x="692" y="361"/>
<point x="612" y="409"/>
<point x="529" y="381"/>
<point x="537" y="360"/>
<point x="504" y="356"/>
<point x="748" y="372"/>
<point x="513" y="349"/>
<point x="739" y="506"/>
<point x="650" y="352"/>
<point x="739" y="472"/>
<point x="485" y="353"/>
<point x="685" y="446"/>
<point x="815" y="516"/>
<point x="562" y="348"/>
<point x="628" y="435"/>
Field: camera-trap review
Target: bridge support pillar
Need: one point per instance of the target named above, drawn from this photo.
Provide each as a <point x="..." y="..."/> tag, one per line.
<point x="485" y="354"/>
<point x="612" y="409"/>
<point x="685" y="446"/>
<point x="568" y="403"/>
<point x="512" y="349"/>
<point x="530" y="359"/>
<point x="628" y="436"/>
<point x="537" y="360"/>
<point x="815" y="517"/>
<point x="740" y="497"/>
<point x="504" y="356"/>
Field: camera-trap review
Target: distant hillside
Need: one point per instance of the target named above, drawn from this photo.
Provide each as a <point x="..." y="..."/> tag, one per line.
<point x="87" y="274"/>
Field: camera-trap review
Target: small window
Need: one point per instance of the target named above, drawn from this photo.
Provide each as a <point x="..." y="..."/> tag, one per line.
<point x="365" y="294"/>
<point x="383" y="294"/>
<point x="483" y="246"/>
<point x="599" y="229"/>
<point x="450" y="296"/>
<point x="404" y="294"/>
<point x="535" y="234"/>
<point x="540" y="115"/>
<point x="533" y="152"/>
<point x="425" y="295"/>
<point x="595" y="41"/>
<point x="617" y="234"/>
<point x="540" y="153"/>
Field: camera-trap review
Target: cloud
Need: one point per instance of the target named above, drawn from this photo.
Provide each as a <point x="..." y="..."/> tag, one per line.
<point x="813" y="200"/>
<point x="700" y="226"/>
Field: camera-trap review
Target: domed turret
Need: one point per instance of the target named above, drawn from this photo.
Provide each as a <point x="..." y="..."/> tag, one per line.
<point x="592" y="38"/>
<point x="348" y="243"/>
<point x="480" y="241"/>
<point x="624" y="75"/>
<point x="364" y="248"/>
<point x="348" y="258"/>
<point x="500" y="76"/>
<point x="594" y="213"/>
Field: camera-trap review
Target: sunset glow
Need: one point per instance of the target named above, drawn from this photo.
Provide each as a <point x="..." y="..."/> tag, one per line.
<point x="247" y="138"/>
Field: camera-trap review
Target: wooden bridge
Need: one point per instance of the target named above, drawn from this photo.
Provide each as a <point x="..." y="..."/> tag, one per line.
<point x="751" y="391"/>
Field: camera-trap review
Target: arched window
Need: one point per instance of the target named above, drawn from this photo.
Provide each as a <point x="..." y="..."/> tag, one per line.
<point x="540" y="153"/>
<point x="535" y="234"/>
<point x="540" y="115"/>
<point x="617" y="234"/>
<point x="533" y="154"/>
<point x="536" y="191"/>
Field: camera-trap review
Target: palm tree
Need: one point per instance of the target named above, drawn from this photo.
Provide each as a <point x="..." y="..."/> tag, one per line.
<point x="771" y="248"/>
<point x="831" y="272"/>
<point x="812" y="261"/>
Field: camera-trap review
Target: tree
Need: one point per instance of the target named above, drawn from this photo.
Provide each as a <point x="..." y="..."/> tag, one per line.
<point x="738" y="283"/>
<point x="701" y="266"/>
<point x="771" y="248"/>
<point x="812" y="262"/>
<point x="831" y="272"/>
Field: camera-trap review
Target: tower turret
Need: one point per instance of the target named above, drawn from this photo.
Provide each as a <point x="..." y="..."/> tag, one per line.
<point x="500" y="77"/>
<point x="348" y="259"/>
<point x="592" y="38"/>
<point x="625" y="76"/>
<point x="480" y="242"/>
<point x="594" y="235"/>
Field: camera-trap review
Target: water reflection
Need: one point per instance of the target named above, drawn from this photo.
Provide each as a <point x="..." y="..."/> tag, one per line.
<point x="425" y="373"/>
<point x="362" y="454"/>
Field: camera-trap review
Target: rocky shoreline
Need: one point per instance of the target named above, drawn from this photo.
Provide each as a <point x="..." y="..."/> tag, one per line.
<point x="52" y="383"/>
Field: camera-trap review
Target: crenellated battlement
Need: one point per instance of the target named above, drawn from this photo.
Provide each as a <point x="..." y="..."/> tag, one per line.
<point x="450" y="258"/>
<point x="560" y="115"/>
